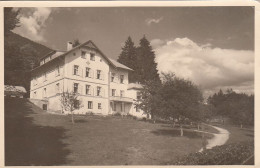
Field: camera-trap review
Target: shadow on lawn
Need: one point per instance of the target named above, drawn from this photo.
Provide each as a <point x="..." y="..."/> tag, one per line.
<point x="176" y="133"/>
<point x="80" y="121"/>
<point x="27" y="143"/>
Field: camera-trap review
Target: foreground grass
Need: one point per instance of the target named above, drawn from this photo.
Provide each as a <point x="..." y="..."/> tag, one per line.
<point x="34" y="137"/>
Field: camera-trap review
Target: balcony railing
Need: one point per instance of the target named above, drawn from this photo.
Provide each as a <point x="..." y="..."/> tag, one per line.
<point x="122" y="99"/>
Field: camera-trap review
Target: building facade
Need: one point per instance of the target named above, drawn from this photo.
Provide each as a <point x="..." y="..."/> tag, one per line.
<point x="102" y="83"/>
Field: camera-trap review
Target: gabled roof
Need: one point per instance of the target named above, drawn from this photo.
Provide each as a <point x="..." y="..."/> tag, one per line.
<point x="90" y="44"/>
<point x="118" y="65"/>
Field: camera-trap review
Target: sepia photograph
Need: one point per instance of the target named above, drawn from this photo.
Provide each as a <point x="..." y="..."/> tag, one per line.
<point x="129" y="85"/>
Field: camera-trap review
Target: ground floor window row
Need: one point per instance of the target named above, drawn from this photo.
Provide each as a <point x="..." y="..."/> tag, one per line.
<point x="90" y="105"/>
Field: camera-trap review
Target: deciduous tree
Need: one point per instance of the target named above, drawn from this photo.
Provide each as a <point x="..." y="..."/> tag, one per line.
<point x="70" y="102"/>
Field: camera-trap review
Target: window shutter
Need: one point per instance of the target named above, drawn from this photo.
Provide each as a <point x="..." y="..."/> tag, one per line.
<point x="103" y="92"/>
<point x="102" y="75"/>
<point x="81" y="72"/>
<point x="73" y="70"/>
<point x="80" y="89"/>
<point x="94" y="94"/>
<point x="90" y="91"/>
<point x="117" y="78"/>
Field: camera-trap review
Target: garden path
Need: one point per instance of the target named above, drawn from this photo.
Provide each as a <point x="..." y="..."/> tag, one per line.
<point x="218" y="139"/>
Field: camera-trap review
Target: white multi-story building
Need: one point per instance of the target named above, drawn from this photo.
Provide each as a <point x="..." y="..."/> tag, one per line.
<point x="102" y="83"/>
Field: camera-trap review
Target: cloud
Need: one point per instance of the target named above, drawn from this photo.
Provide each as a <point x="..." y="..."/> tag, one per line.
<point x="210" y="68"/>
<point x="149" y="21"/>
<point x="33" y="22"/>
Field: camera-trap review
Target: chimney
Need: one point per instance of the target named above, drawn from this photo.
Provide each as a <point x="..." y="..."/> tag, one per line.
<point x="69" y="45"/>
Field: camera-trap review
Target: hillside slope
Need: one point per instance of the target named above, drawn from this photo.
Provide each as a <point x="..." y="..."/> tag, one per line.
<point x="20" y="56"/>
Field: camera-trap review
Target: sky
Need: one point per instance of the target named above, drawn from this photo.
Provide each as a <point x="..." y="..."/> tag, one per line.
<point x="212" y="46"/>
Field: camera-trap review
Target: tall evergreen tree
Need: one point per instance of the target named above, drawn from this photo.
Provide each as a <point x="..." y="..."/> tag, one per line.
<point x="129" y="59"/>
<point x="146" y="65"/>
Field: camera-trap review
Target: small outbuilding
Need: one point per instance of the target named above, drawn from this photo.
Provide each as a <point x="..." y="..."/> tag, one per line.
<point x="14" y="91"/>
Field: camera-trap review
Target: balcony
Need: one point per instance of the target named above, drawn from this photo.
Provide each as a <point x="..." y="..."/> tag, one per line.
<point x="121" y="99"/>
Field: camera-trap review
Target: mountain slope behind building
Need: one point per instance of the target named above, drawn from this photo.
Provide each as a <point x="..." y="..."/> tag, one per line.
<point x="20" y="56"/>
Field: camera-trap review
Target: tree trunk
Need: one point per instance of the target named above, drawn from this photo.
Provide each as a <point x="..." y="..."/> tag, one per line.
<point x="241" y="126"/>
<point x="198" y="126"/>
<point x="72" y="118"/>
<point x="173" y="125"/>
<point x="181" y="131"/>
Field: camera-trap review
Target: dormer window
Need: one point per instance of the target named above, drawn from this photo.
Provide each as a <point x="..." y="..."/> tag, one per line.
<point x="92" y="56"/>
<point x="83" y="54"/>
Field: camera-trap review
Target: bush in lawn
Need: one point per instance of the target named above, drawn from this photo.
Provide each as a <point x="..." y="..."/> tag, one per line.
<point x="230" y="154"/>
<point x="117" y="114"/>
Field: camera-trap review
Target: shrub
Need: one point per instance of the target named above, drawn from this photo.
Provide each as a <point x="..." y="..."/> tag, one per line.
<point x="230" y="154"/>
<point x="89" y="113"/>
<point x="117" y="114"/>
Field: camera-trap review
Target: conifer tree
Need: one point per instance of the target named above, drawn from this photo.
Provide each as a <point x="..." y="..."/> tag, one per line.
<point x="128" y="58"/>
<point x="146" y="65"/>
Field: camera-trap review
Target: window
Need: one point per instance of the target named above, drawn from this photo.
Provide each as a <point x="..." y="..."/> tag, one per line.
<point x="76" y="70"/>
<point x="113" y="92"/>
<point x="75" y="87"/>
<point x="44" y="92"/>
<point x="92" y="56"/>
<point x="112" y="77"/>
<point x="121" y="78"/>
<point x="114" y="106"/>
<point x="42" y="62"/>
<point x="58" y="88"/>
<point x="122" y="107"/>
<point x="98" y="91"/>
<point x="98" y="74"/>
<point x="138" y="95"/>
<point x="87" y="89"/>
<point x="45" y="76"/>
<point x="57" y="72"/>
<point x="83" y="54"/>
<point x="90" y="104"/>
<point x="122" y="93"/>
<point x="87" y="72"/>
<point x="99" y="106"/>
<point x="76" y="104"/>
<point x="47" y="59"/>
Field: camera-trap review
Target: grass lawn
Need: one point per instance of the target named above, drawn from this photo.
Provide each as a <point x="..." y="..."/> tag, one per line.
<point x="34" y="137"/>
<point x="237" y="134"/>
